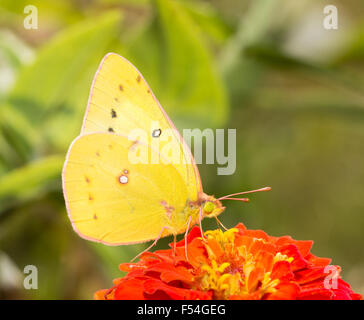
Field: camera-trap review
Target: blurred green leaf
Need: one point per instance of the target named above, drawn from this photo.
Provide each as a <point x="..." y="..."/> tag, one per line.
<point x="13" y="126"/>
<point x="241" y="74"/>
<point x="354" y="51"/>
<point x="188" y="85"/>
<point x="49" y="11"/>
<point x="13" y="50"/>
<point x="336" y="77"/>
<point x="252" y="27"/>
<point x="111" y="257"/>
<point x="30" y="180"/>
<point x="51" y="94"/>
<point x="208" y="20"/>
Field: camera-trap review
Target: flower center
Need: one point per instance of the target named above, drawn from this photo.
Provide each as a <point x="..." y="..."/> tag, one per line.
<point x="237" y="269"/>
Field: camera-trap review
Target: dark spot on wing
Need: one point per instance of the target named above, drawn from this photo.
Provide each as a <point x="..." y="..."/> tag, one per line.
<point x="113" y="113"/>
<point x="95" y="216"/>
<point x="121" y="88"/>
<point x="90" y="197"/>
<point x="98" y="154"/>
<point x="87" y="179"/>
<point x="111" y="130"/>
<point x="116" y="99"/>
<point x="138" y="78"/>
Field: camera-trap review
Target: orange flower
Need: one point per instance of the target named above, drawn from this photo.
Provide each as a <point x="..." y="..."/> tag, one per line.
<point x="236" y="264"/>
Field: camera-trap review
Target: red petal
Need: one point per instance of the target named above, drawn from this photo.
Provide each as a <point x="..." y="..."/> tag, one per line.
<point x="309" y="275"/>
<point x="292" y="251"/>
<point x="282" y="270"/>
<point x="195" y="232"/>
<point x="317" y="261"/>
<point x="170" y="273"/>
<point x="130" y="289"/>
<point x="152" y="287"/>
<point x="285" y="291"/>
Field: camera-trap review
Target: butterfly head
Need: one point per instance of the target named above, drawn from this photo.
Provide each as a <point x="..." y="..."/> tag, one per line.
<point x="210" y="206"/>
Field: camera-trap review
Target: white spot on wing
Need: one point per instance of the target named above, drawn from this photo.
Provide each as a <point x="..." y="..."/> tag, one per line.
<point x="123" y="179"/>
<point x="156" y="133"/>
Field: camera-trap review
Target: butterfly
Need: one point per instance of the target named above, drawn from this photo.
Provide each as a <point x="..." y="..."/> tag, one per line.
<point x="116" y="201"/>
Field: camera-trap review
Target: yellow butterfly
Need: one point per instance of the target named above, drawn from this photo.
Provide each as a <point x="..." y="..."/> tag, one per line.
<point x="113" y="200"/>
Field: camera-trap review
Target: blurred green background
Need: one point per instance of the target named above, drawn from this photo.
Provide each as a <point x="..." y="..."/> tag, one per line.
<point x="293" y="90"/>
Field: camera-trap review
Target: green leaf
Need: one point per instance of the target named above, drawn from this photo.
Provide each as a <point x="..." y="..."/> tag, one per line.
<point x="187" y="85"/>
<point x="241" y="74"/>
<point x="30" y="180"/>
<point x="252" y="27"/>
<point x="335" y="77"/>
<point x="51" y="94"/>
<point x="209" y="20"/>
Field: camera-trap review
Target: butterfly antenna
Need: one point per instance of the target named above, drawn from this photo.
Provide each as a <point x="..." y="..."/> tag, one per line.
<point x="230" y="196"/>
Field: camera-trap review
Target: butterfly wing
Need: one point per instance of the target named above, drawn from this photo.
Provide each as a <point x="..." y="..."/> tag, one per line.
<point x="121" y="101"/>
<point x="113" y="201"/>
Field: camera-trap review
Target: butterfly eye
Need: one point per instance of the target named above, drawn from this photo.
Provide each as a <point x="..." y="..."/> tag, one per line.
<point x="156" y="133"/>
<point x="208" y="207"/>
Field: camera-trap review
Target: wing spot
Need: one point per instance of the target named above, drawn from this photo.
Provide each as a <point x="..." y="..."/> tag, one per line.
<point x="98" y="154"/>
<point x="87" y="179"/>
<point x="156" y="133"/>
<point x="116" y="99"/>
<point x="123" y="179"/>
<point x="138" y="78"/>
<point x="113" y="114"/>
<point x="169" y="209"/>
<point x="121" y="88"/>
<point x="95" y="216"/>
<point x="126" y="171"/>
<point x="90" y="197"/>
<point x="110" y="130"/>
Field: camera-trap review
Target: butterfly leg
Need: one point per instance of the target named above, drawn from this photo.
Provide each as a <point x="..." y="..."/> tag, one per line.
<point x="152" y="245"/>
<point x="188" y="227"/>
<point x="220" y="223"/>
<point x="174" y="246"/>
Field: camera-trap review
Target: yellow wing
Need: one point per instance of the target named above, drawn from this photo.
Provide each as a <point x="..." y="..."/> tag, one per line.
<point x="121" y="101"/>
<point x="113" y="201"/>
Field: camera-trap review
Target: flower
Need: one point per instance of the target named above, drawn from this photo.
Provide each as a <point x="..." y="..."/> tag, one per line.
<point x="237" y="264"/>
